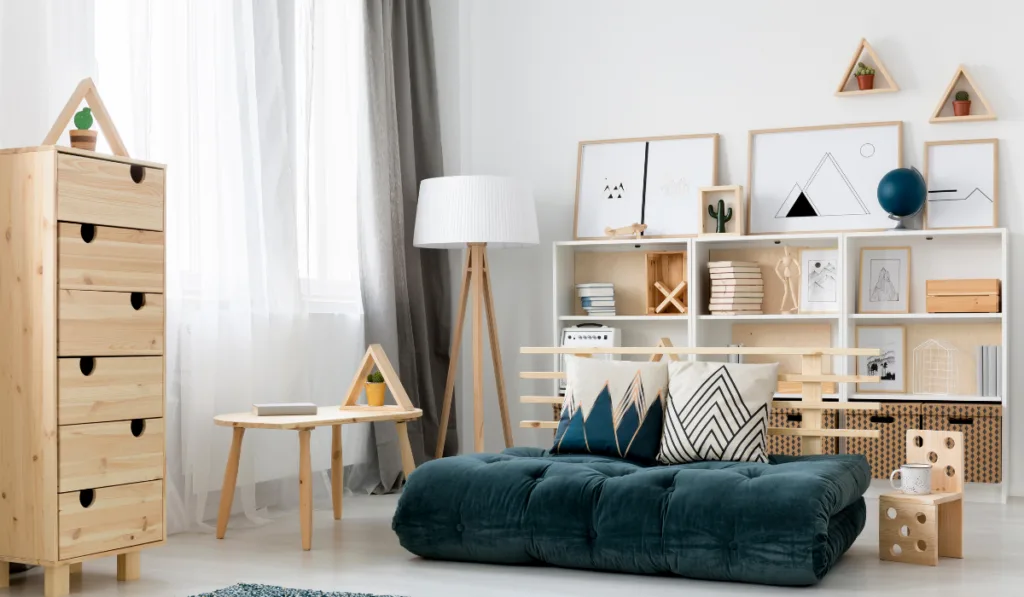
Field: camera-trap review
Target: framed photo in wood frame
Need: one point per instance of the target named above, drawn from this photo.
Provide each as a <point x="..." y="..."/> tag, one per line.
<point x="651" y="181"/>
<point x="890" y="366"/>
<point x="884" y="280"/>
<point x="819" y="280"/>
<point x="820" y="178"/>
<point x="963" y="184"/>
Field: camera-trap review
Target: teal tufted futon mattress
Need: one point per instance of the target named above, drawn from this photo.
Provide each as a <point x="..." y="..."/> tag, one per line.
<point x="786" y="522"/>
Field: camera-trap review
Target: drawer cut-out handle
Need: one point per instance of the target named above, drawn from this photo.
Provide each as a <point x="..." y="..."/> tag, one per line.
<point x="138" y="427"/>
<point x="87" y="365"/>
<point x="138" y="173"/>
<point x="882" y="419"/>
<point x="961" y="420"/>
<point x="86" y="497"/>
<point x="794" y="418"/>
<point x="88" y="232"/>
<point x="138" y="300"/>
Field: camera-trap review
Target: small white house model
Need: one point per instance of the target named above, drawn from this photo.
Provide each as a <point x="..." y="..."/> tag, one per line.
<point x="935" y="368"/>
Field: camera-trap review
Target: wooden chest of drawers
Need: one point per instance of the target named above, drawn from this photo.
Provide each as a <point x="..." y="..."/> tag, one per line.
<point x="81" y="360"/>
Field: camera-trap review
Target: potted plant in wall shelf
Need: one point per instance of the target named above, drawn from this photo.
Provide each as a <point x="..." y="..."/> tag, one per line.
<point x="81" y="136"/>
<point x="865" y="76"/>
<point x="962" y="104"/>
<point x="375" y="389"/>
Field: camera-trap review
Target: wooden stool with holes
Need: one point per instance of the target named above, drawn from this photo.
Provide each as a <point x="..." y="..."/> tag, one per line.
<point x="919" y="529"/>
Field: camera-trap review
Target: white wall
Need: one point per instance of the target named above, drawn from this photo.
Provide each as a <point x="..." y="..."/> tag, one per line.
<point x="529" y="79"/>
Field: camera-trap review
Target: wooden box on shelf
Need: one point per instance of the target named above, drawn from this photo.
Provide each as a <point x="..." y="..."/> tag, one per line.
<point x="962" y="296"/>
<point x="725" y="202"/>
<point x="666" y="283"/>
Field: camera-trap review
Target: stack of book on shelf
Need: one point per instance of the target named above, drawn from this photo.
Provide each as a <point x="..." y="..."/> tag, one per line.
<point x="989" y="373"/>
<point x="736" y="288"/>
<point x="597" y="298"/>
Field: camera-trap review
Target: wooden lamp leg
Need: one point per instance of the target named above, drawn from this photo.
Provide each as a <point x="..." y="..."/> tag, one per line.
<point x="449" y="386"/>
<point x="492" y="333"/>
<point x="477" y="268"/>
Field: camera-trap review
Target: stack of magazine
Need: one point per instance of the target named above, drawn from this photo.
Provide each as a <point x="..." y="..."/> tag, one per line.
<point x="597" y="298"/>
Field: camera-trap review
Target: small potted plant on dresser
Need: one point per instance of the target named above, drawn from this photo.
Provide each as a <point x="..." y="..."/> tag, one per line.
<point x="865" y="76"/>
<point x="962" y="104"/>
<point x="81" y="136"/>
<point x="375" y="389"/>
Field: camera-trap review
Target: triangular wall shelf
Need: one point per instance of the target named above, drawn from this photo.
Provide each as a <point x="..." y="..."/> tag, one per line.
<point x="375" y="356"/>
<point x="884" y="83"/>
<point x="86" y="90"/>
<point x="980" y="108"/>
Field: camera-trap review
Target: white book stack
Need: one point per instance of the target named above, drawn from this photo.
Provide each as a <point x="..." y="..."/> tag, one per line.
<point x="736" y="288"/>
<point x="988" y="359"/>
<point x="597" y="298"/>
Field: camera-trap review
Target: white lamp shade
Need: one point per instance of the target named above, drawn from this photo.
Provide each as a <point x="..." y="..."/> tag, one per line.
<point x="456" y="210"/>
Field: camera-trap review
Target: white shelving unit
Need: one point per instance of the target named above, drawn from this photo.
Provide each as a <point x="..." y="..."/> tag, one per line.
<point x="935" y="254"/>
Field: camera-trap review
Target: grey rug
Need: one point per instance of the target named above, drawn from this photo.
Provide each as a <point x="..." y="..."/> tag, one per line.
<point x="246" y="590"/>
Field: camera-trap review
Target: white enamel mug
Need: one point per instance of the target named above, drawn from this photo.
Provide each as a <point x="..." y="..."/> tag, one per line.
<point x="914" y="479"/>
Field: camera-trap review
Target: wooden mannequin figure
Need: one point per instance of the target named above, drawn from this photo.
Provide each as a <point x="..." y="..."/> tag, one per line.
<point x="784" y="269"/>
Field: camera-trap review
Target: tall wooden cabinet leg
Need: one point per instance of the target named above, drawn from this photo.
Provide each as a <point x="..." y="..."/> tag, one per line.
<point x="227" y="490"/>
<point x="76" y="568"/>
<point x="405" y="447"/>
<point x="56" y="580"/>
<point x="129" y="566"/>
<point x="337" y="471"/>
<point x="5" y="574"/>
<point x="305" y="490"/>
<point x="453" y="364"/>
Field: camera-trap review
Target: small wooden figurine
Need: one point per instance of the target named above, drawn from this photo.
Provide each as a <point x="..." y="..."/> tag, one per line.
<point x="634" y="230"/>
<point x="786" y="269"/>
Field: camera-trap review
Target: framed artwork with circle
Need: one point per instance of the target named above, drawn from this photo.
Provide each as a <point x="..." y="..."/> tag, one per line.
<point x="819" y="280"/>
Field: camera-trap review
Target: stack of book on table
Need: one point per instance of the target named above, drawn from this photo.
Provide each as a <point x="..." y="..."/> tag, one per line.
<point x="597" y="298"/>
<point x="736" y="288"/>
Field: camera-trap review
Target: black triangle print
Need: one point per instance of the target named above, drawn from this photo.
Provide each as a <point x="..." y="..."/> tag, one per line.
<point x="801" y="208"/>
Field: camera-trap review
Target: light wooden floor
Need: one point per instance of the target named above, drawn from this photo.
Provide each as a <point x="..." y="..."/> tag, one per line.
<point x="361" y="554"/>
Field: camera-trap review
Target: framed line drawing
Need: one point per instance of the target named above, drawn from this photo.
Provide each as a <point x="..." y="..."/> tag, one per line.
<point x="819" y="280"/>
<point x="651" y="181"/>
<point x="884" y="280"/>
<point x="890" y="366"/>
<point x="963" y="184"/>
<point x="820" y="178"/>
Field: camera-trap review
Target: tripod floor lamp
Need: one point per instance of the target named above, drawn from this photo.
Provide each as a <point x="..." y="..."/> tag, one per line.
<point x="475" y="212"/>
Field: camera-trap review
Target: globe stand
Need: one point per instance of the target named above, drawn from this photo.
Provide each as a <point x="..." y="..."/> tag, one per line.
<point x="901" y="220"/>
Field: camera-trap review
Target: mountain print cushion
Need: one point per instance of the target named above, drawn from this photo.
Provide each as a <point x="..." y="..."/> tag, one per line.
<point x="612" y="408"/>
<point x="717" y="411"/>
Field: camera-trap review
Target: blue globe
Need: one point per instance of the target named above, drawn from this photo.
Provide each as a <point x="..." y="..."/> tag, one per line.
<point x="902" y="192"/>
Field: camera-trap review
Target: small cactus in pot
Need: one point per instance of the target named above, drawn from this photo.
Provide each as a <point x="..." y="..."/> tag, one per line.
<point x="721" y="216"/>
<point x="865" y="76"/>
<point x="962" y="104"/>
<point x="375" y="389"/>
<point x="81" y="136"/>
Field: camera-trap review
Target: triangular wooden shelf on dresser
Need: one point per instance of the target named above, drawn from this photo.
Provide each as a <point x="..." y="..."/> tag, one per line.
<point x="86" y="90"/>
<point x="884" y="83"/>
<point x="962" y="81"/>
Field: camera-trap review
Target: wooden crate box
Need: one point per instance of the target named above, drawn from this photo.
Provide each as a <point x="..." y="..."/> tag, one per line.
<point x="790" y="445"/>
<point x="887" y="453"/>
<point x="982" y="426"/>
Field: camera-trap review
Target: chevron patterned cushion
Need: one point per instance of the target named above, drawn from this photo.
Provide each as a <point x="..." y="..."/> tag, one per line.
<point x="717" y="411"/>
<point x="612" y="408"/>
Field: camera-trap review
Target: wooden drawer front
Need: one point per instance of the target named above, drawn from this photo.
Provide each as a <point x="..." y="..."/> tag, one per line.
<point x="98" y="520"/>
<point x="94" y="257"/>
<point x="107" y="324"/>
<point x="103" y="454"/>
<point x="93" y="390"/>
<point x="96" y="191"/>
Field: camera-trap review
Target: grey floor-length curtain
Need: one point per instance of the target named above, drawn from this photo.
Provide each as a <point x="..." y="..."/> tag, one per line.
<point x="405" y="290"/>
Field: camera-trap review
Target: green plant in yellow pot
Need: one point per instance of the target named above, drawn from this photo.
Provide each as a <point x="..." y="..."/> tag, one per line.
<point x="375" y="389"/>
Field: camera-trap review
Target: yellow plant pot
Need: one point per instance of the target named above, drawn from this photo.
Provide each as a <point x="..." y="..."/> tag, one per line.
<point x="375" y="394"/>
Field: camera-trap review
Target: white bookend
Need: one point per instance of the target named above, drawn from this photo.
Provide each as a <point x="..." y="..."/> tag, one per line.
<point x="282" y="409"/>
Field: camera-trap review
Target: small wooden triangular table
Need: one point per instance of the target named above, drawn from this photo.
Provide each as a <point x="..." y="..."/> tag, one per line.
<point x="333" y="416"/>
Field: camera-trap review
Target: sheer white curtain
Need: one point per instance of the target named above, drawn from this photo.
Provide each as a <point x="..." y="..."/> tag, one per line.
<point x="250" y="103"/>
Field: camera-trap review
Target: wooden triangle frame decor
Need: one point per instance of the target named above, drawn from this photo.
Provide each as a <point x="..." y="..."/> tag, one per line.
<point x="880" y="69"/>
<point x="663" y="343"/>
<point x="375" y="357"/>
<point x="86" y="90"/>
<point x="976" y="96"/>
